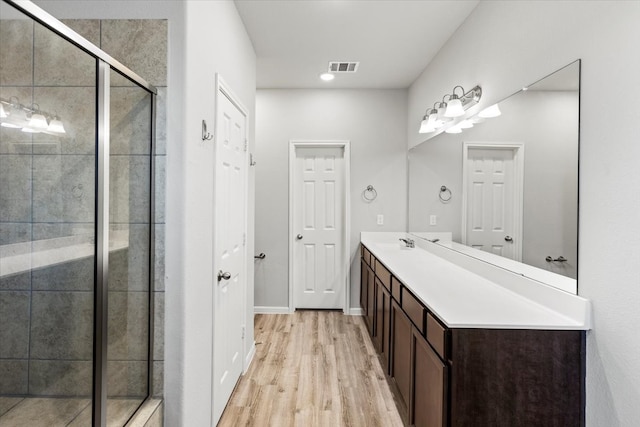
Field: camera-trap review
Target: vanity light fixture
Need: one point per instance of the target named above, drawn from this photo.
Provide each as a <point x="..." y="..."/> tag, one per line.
<point x="327" y="77"/>
<point x="454" y="129"/>
<point x="452" y="105"/>
<point x="489" y="112"/>
<point x="15" y="115"/>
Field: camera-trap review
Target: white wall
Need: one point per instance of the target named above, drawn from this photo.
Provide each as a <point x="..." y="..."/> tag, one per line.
<point x="374" y="122"/>
<point x="205" y="38"/>
<point x="546" y="122"/>
<point x="505" y="45"/>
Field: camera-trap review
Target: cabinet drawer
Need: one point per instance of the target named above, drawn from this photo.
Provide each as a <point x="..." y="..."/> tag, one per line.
<point x="366" y="255"/>
<point x="414" y="309"/>
<point x="384" y="275"/>
<point x="437" y="336"/>
<point x="395" y="288"/>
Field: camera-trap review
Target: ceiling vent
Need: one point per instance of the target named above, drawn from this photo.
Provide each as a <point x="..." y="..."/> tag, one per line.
<point x="343" y="67"/>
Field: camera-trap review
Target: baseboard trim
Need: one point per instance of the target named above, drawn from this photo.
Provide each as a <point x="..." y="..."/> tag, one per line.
<point x="356" y="311"/>
<point x="271" y="310"/>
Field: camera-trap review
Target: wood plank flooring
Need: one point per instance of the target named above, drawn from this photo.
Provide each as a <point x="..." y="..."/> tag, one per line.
<point x="312" y="369"/>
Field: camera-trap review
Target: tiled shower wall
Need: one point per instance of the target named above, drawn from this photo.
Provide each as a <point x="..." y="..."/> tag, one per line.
<point x="33" y="304"/>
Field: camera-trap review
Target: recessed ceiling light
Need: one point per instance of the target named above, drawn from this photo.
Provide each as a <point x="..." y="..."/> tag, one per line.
<point x="327" y="77"/>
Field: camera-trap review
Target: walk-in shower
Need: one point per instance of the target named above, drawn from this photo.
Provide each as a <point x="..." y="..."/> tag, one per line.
<point x="76" y="227"/>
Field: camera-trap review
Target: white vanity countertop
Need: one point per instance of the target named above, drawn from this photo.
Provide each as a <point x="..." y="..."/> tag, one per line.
<point x="464" y="299"/>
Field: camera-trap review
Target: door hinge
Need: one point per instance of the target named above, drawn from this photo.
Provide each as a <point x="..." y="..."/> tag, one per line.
<point x="242" y="331"/>
<point x="246" y="144"/>
<point x="244" y="239"/>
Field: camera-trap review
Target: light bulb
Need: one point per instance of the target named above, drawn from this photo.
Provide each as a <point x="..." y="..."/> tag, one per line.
<point x="454" y="107"/>
<point x="489" y="112"/>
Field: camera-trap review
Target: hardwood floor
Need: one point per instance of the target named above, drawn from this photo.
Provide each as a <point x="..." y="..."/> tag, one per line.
<point x="312" y="368"/>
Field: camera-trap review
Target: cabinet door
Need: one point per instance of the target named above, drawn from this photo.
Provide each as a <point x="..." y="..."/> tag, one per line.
<point x="401" y="351"/>
<point x="383" y="322"/>
<point x="364" y="282"/>
<point x="429" y="390"/>
<point x="371" y="301"/>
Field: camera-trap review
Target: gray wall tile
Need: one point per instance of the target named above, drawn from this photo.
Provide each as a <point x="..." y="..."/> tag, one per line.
<point x="141" y="45"/>
<point x="160" y="188"/>
<point x="159" y="270"/>
<point x="14" y="318"/>
<point x="63" y="188"/>
<point x="130" y="121"/>
<point x="128" y="326"/>
<point x="14" y="376"/>
<point x="60" y="378"/>
<point x="129" y="189"/>
<point x="62" y="325"/>
<point x="15" y="191"/>
<point x="76" y="107"/>
<point x="57" y="62"/>
<point x="76" y="275"/>
<point x="158" y="379"/>
<point x="129" y="268"/>
<point x="16" y="52"/>
<point x="14" y="232"/>
<point x="126" y="379"/>
<point x="161" y="121"/>
<point x="14" y="282"/>
<point x="158" y="326"/>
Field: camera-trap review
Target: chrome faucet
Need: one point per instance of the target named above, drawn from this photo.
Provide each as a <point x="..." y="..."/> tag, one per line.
<point x="409" y="243"/>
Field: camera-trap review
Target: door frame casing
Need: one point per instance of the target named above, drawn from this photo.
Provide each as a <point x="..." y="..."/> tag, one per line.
<point x="346" y="146"/>
<point x="223" y="89"/>
<point x="518" y="172"/>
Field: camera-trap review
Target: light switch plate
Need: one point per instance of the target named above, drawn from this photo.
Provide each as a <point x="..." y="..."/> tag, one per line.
<point x="433" y="220"/>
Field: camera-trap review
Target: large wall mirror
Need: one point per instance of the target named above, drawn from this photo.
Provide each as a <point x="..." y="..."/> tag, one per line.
<point x="506" y="189"/>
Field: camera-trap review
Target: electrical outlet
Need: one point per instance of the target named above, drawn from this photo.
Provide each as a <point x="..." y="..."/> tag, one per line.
<point x="433" y="220"/>
<point x="380" y="219"/>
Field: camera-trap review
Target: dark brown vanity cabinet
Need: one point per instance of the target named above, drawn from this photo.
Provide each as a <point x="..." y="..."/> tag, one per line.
<point x="471" y="377"/>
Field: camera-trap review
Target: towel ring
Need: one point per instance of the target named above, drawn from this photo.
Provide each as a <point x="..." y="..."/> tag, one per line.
<point x="445" y="194"/>
<point x="370" y="193"/>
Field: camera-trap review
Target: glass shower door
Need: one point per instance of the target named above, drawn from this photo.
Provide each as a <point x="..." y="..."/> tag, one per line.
<point x="47" y="225"/>
<point x="129" y="248"/>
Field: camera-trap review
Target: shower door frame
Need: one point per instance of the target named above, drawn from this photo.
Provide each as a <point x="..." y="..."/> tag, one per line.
<point x="104" y="64"/>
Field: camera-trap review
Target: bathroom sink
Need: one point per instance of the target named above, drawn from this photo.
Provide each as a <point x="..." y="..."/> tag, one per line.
<point x="391" y="246"/>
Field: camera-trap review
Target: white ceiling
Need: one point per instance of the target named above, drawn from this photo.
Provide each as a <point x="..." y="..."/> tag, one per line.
<point x="394" y="40"/>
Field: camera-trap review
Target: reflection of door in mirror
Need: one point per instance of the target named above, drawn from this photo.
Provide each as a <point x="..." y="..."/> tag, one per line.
<point x="492" y="198"/>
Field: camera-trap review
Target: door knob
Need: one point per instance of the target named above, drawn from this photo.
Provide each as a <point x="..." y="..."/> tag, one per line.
<point x="299" y="237"/>
<point x="223" y="275"/>
<point x="508" y="239"/>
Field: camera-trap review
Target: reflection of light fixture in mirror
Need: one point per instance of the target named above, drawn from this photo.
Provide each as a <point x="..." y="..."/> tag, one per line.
<point x="454" y="129"/>
<point x="37" y="122"/>
<point x="447" y="109"/>
<point x="56" y="126"/>
<point x="29" y="119"/>
<point x="465" y="124"/>
<point x="489" y="112"/>
<point x="430" y="121"/>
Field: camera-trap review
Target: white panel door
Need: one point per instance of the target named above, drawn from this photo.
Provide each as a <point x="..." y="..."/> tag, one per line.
<point x="491" y="199"/>
<point x="230" y="254"/>
<point x="318" y="224"/>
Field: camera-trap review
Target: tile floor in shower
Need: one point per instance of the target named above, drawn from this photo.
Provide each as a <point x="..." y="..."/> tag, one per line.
<point x="50" y="412"/>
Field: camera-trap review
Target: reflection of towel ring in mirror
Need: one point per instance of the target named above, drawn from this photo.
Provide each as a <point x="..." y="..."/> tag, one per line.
<point x="445" y="194"/>
<point x="370" y="193"/>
